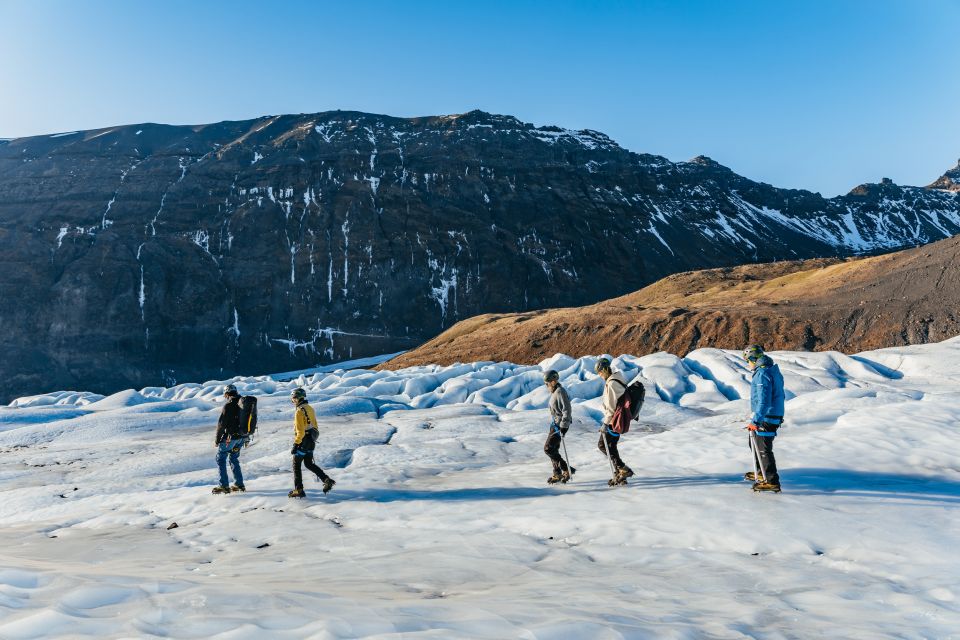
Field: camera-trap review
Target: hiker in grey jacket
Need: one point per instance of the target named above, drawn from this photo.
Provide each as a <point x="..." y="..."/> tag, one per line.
<point x="561" y="413"/>
<point x="614" y="387"/>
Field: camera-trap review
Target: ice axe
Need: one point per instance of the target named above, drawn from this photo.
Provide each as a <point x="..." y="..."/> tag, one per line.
<point x="755" y="458"/>
<point x="754" y="454"/>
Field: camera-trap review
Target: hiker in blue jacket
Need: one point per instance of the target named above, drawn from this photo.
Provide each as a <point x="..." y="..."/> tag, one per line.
<point x="766" y="406"/>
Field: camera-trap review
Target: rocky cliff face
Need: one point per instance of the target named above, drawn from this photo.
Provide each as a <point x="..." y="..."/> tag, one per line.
<point x="150" y="253"/>
<point x="949" y="181"/>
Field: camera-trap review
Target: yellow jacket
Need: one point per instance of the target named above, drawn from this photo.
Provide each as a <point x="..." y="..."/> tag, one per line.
<point x="303" y="418"/>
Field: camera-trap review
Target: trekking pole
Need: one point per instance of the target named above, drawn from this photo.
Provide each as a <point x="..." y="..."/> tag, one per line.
<point x="606" y="445"/>
<point x="566" y="456"/>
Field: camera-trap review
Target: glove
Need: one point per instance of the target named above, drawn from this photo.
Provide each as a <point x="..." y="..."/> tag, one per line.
<point x="752" y="427"/>
<point x="293" y="451"/>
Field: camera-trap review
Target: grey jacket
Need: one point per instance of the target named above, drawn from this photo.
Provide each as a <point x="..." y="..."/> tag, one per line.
<point x="560" y="409"/>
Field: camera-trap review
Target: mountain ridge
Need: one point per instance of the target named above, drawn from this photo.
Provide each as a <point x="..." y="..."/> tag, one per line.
<point x="144" y="253"/>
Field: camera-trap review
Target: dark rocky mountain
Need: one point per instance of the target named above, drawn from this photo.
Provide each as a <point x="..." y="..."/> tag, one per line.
<point x="141" y="254"/>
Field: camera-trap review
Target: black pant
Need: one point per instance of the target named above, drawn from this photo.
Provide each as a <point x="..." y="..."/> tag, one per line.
<point x="552" y="448"/>
<point x="308" y="462"/>
<point x="768" y="464"/>
<point x="613" y="441"/>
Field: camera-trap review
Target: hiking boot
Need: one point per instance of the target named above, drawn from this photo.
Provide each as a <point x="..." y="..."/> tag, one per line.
<point x="297" y="493"/>
<point x="617" y="482"/>
<point x="221" y="489"/>
<point x="328" y="484"/>
<point x="565" y="476"/>
<point x="237" y="487"/>
<point x="750" y="476"/>
<point x="623" y="473"/>
<point x="555" y="478"/>
<point x="766" y="486"/>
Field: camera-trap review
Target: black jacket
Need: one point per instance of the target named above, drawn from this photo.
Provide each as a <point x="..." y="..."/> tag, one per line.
<point x="229" y="422"/>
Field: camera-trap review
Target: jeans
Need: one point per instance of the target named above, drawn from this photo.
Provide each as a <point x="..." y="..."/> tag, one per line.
<point x="230" y="448"/>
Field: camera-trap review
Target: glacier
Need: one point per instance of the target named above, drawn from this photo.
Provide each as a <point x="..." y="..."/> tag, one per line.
<point x="441" y="524"/>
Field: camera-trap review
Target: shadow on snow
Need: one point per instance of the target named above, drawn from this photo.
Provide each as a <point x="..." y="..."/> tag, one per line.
<point x="812" y="481"/>
<point x="808" y="481"/>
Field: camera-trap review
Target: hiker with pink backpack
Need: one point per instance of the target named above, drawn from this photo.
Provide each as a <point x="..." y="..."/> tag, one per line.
<point x="621" y="404"/>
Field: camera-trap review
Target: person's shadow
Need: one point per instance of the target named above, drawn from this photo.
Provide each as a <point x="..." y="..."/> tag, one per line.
<point x="469" y="494"/>
<point x="851" y="482"/>
<point x="805" y="481"/>
<point x="873" y="484"/>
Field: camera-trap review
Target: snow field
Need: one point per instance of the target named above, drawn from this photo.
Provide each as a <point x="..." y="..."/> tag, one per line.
<point x="441" y="524"/>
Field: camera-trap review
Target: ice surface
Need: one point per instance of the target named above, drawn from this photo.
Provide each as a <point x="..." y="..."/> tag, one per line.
<point x="441" y="524"/>
<point x="128" y="398"/>
<point x="59" y="398"/>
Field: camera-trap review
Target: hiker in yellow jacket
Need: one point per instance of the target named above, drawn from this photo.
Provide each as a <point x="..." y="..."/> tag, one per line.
<point x="304" y="440"/>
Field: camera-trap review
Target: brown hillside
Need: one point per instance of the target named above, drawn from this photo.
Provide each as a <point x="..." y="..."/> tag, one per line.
<point x="908" y="297"/>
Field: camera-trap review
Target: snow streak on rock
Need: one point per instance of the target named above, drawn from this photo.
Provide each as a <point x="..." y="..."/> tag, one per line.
<point x="142" y="296"/>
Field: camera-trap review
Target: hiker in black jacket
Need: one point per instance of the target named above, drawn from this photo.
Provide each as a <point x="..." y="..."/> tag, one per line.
<point x="229" y="442"/>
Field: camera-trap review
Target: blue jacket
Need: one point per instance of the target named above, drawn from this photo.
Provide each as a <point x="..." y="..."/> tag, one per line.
<point x="766" y="394"/>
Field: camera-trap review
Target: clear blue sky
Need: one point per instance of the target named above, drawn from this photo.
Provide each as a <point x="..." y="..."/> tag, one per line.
<point x="816" y="94"/>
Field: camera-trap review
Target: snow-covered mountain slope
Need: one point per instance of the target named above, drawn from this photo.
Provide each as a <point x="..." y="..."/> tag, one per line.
<point x="441" y="525"/>
<point x="146" y="254"/>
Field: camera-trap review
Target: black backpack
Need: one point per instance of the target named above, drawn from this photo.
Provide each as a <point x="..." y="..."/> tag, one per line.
<point x="248" y="416"/>
<point x="637" y="392"/>
<point x="633" y="397"/>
